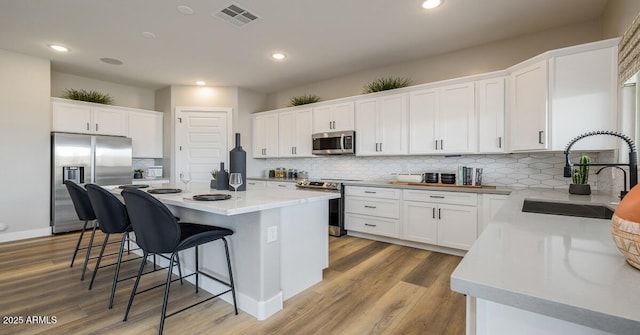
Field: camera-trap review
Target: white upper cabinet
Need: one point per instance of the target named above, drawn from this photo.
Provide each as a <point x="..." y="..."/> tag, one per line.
<point x="442" y="120"/>
<point x="567" y="92"/>
<point x="381" y="125"/>
<point x="265" y="136"/>
<point x="528" y="114"/>
<point x="145" y="131"/>
<point x="295" y="133"/>
<point x="80" y="117"/>
<point x="336" y="117"/>
<point x="490" y="103"/>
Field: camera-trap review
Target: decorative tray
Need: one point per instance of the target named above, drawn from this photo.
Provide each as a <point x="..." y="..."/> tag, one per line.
<point x="164" y="190"/>
<point x="133" y="186"/>
<point x="211" y="197"/>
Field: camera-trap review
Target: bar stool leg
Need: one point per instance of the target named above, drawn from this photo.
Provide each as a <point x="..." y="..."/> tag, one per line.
<point x="75" y="252"/>
<point x="166" y="292"/>
<point x="86" y="259"/>
<point x="95" y="270"/>
<point x="135" y="285"/>
<point x="197" y="271"/>
<point x="115" y="276"/>
<point x="179" y="268"/>
<point x="233" y="287"/>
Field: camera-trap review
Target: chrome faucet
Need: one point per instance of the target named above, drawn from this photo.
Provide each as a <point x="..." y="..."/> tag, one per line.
<point x="633" y="155"/>
<point x="624" y="178"/>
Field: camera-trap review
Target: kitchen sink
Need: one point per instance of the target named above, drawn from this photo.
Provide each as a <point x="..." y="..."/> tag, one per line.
<point x="567" y="209"/>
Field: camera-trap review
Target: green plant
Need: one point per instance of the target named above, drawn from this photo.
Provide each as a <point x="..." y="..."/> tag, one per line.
<point x="581" y="173"/>
<point x="214" y="174"/>
<point x="138" y="171"/>
<point x="386" y="83"/>
<point x="303" y="100"/>
<point x="90" y="96"/>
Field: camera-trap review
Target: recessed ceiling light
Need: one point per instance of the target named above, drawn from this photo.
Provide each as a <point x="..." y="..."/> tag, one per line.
<point x="111" y="61"/>
<point x="200" y="83"/>
<point x="278" y="56"/>
<point x="186" y="10"/>
<point x="58" y="48"/>
<point x="147" y="34"/>
<point x="430" y="4"/>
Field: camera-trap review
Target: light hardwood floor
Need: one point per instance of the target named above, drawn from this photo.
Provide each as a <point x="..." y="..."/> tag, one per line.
<point x="369" y="288"/>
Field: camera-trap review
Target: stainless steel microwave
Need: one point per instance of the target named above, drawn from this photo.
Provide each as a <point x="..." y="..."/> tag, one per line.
<point x="334" y="143"/>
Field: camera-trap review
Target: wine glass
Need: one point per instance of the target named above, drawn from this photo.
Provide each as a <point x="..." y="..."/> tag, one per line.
<point x="186" y="178"/>
<point x="235" y="180"/>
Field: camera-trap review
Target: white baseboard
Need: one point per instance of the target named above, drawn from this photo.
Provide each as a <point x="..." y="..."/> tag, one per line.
<point x="25" y="234"/>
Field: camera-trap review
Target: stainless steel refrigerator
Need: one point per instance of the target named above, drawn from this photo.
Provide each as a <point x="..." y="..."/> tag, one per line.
<point x="101" y="160"/>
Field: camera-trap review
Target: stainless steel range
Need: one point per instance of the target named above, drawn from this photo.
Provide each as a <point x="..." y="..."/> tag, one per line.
<point x="336" y="206"/>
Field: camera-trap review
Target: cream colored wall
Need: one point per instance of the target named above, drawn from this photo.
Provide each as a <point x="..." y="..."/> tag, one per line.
<point x="123" y="95"/>
<point x="617" y="17"/>
<point x="480" y="59"/>
<point x="24" y="138"/>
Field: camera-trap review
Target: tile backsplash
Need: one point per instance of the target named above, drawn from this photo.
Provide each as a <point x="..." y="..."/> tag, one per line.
<point x="515" y="170"/>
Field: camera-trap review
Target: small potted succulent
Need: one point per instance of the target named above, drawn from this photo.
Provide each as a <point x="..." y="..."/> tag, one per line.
<point x="580" y="177"/>
<point x="137" y="174"/>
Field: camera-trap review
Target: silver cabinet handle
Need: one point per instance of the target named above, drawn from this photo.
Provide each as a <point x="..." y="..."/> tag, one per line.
<point x="367" y="206"/>
<point x="88" y="126"/>
<point x="369" y="225"/>
<point x="372" y="192"/>
<point x="439" y="213"/>
<point x="540" y="136"/>
<point x="500" y="142"/>
<point x="437" y="196"/>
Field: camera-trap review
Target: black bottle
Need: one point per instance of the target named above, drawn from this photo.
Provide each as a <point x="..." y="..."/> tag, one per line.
<point x="238" y="163"/>
<point x="222" y="182"/>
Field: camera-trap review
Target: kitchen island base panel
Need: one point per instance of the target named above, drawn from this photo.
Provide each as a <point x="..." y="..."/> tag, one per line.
<point x="492" y="318"/>
<point x="265" y="273"/>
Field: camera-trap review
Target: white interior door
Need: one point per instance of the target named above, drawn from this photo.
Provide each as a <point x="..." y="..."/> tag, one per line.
<point x="202" y="143"/>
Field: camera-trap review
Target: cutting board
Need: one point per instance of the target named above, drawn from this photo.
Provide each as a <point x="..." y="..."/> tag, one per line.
<point x="441" y="185"/>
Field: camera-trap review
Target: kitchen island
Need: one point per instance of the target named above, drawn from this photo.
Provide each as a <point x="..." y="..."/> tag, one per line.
<point x="548" y="274"/>
<point x="279" y="246"/>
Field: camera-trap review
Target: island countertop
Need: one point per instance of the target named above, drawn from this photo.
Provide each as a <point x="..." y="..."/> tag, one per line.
<point x="564" y="267"/>
<point x="253" y="200"/>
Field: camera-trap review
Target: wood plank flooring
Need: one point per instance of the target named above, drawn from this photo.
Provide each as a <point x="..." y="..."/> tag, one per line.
<point x="370" y="288"/>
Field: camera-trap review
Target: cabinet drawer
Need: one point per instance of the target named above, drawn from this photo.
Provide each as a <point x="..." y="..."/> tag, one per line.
<point x="376" y="207"/>
<point x="453" y="198"/>
<point x="373" y="192"/>
<point x="279" y="184"/>
<point x="376" y="226"/>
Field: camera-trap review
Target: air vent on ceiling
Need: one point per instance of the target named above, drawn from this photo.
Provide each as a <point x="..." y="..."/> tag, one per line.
<point x="236" y="15"/>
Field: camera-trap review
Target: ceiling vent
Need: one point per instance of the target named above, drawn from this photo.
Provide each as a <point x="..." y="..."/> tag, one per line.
<point x="235" y="15"/>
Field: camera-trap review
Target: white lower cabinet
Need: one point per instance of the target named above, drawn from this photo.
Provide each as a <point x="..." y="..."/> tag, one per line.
<point x="373" y="210"/>
<point x="281" y="184"/>
<point x="447" y="219"/>
<point x="491" y="203"/>
<point x="256" y="184"/>
<point x="441" y="218"/>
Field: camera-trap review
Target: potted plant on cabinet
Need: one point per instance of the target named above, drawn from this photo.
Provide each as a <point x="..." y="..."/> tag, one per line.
<point x="580" y="177"/>
<point x="137" y="174"/>
<point x="214" y="178"/>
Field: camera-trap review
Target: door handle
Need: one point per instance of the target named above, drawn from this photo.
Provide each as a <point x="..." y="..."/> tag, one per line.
<point x="369" y="225"/>
<point x="441" y="146"/>
<point x="434" y="212"/>
<point x="295" y="150"/>
<point x="439" y="213"/>
<point x="377" y="147"/>
<point x="540" y="136"/>
<point x="334" y="124"/>
<point x="342" y="142"/>
<point x="437" y="196"/>
<point x="436" y="144"/>
<point x="96" y="127"/>
<point x="500" y="142"/>
<point x="372" y="192"/>
<point x="280" y="185"/>
<point x="88" y="126"/>
<point x="380" y="146"/>
<point x="367" y="206"/>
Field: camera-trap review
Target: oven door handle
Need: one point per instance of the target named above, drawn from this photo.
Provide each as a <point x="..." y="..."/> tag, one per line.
<point x="342" y="142"/>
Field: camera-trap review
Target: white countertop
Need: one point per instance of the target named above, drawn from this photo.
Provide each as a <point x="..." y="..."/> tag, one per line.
<point x="250" y="200"/>
<point x="560" y="266"/>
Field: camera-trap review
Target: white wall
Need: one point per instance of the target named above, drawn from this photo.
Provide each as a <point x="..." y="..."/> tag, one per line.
<point x="24" y="145"/>
<point x="480" y="59"/>
<point x="123" y="95"/>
